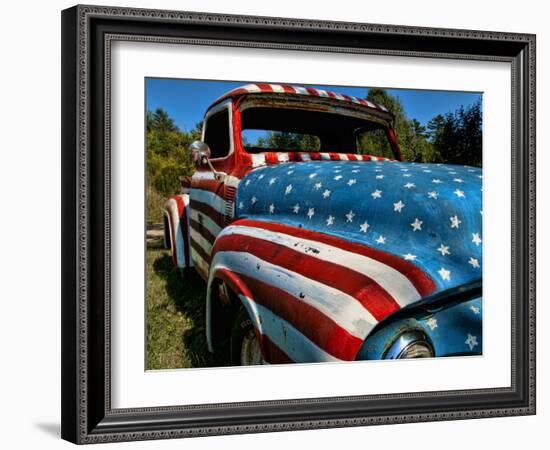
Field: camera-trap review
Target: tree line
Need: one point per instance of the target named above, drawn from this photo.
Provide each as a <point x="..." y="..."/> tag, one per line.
<point x="454" y="138"/>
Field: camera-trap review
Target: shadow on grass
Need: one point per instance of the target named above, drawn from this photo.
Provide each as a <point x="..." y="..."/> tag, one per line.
<point x="188" y="294"/>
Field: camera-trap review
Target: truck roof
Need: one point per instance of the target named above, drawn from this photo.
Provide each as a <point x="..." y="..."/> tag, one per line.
<point x="286" y="89"/>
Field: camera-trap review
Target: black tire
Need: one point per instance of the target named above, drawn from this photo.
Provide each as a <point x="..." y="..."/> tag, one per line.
<point x="242" y="333"/>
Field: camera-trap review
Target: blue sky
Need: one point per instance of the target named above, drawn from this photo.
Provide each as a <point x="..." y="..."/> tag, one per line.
<point x="186" y="100"/>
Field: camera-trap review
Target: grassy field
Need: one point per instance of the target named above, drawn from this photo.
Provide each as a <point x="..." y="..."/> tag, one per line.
<point x="175" y="315"/>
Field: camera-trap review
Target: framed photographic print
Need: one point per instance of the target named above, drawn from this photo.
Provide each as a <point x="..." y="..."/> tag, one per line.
<point x="282" y="224"/>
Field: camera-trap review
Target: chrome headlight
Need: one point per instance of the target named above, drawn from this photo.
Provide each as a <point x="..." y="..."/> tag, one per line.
<point x="411" y="344"/>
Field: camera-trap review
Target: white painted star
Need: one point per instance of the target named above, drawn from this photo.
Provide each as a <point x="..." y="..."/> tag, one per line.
<point x="261" y="176"/>
<point x="272" y="181"/>
<point x="444" y="250"/>
<point x="476" y="239"/>
<point x="409" y="185"/>
<point x="247" y="182"/>
<point x="271" y="208"/>
<point x="398" y="206"/>
<point x="364" y="227"/>
<point x="475" y="309"/>
<point x="474" y="262"/>
<point x="241" y="205"/>
<point x="352" y="182"/>
<point x="471" y="341"/>
<point x="455" y="222"/>
<point x="458" y="180"/>
<point x="417" y="225"/>
<point x="350" y="216"/>
<point x="290" y="172"/>
<point x="288" y="189"/>
<point x="312" y="175"/>
<point x="426" y="170"/>
<point x="432" y="323"/>
<point x="377" y="194"/>
<point x="355" y="171"/>
<point x="459" y="193"/>
<point x="444" y="274"/>
<point x="296" y="208"/>
<point x="381" y="239"/>
<point x="330" y="221"/>
<point x="317" y="186"/>
<point x="310" y="213"/>
<point x="432" y="194"/>
<point x="409" y="257"/>
<point x="253" y="200"/>
<point x="379" y="177"/>
<point x="338" y="177"/>
<point x="407" y="175"/>
<point x="437" y="181"/>
<point x="326" y="194"/>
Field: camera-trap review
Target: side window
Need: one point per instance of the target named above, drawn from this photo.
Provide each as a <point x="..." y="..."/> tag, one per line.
<point x="217" y="134"/>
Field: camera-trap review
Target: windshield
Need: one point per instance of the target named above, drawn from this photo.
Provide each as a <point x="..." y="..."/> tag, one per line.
<point x="266" y="129"/>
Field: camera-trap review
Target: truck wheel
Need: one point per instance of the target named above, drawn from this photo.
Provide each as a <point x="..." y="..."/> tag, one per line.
<point x="245" y="346"/>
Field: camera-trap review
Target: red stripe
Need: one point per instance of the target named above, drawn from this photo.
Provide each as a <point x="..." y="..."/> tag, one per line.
<point x="183" y="226"/>
<point x="271" y="158"/>
<point x="312" y="91"/>
<point x="207" y="210"/>
<point x="264" y="87"/>
<point x="203" y="231"/>
<point x="196" y="246"/>
<point x="421" y="281"/>
<point x="347" y="97"/>
<point x="372" y="296"/>
<point x="352" y="157"/>
<point x="331" y="94"/>
<point x="206" y="185"/>
<point x="272" y="353"/>
<point x="334" y="156"/>
<point x="315" y="156"/>
<point x="317" y="327"/>
<point x="288" y="89"/>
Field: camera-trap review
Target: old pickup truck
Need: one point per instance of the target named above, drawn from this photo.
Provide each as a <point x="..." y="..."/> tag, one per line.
<point x="335" y="252"/>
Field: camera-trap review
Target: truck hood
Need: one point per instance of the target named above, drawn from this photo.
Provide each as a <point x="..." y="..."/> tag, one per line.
<point x="427" y="214"/>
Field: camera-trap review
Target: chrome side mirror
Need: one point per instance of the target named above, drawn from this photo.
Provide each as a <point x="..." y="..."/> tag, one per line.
<point x="200" y="152"/>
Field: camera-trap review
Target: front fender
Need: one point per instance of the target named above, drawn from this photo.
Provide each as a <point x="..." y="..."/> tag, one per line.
<point x="176" y="229"/>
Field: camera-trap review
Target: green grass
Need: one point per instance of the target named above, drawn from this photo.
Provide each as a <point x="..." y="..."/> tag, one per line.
<point x="176" y="335"/>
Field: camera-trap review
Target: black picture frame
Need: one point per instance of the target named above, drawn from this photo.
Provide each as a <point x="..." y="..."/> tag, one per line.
<point x="87" y="33"/>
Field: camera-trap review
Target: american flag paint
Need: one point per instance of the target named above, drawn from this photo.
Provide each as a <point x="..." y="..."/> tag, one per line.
<point x="321" y="247"/>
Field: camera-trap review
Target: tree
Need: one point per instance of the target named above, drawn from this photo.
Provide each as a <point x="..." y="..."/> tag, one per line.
<point x="457" y="136"/>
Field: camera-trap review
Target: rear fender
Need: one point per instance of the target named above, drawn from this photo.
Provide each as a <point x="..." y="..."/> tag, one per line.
<point x="176" y="229"/>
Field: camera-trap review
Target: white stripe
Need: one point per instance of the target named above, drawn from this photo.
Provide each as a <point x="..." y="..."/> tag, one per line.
<point x="200" y="241"/>
<point x="172" y="207"/>
<point x="305" y="157"/>
<point x="293" y="343"/>
<point x="199" y="262"/>
<point x="355" y="100"/>
<point x="339" y="96"/>
<point x="300" y="90"/>
<point x="209" y="198"/>
<point x="228" y="180"/>
<point x="372" y="105"/>
<point x="206" y="221"/>
<point x="282" y="157"/>
<point x="252" y="88"/>
<point x="393" y="281"/>
<point x="258" y="159"/>
<point x="343" y="157"/>
<point x="322" y="93"/>
<point x="277" y="88"/>
<point x="325" y="156"/>
<point x="342" y="308"/>
<point x="359" y="157"/>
